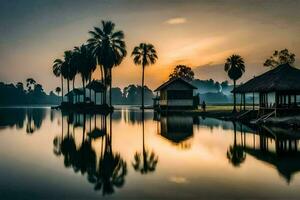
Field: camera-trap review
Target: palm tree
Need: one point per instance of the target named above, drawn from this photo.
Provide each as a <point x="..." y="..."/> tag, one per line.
<point x="109" y="49"/>
<point x="66" y="69"/>
<point x="85" y="62"/>
<point x="144" y="54"/>
<point x="57" y="71"/>
<point x="235" y="67"/>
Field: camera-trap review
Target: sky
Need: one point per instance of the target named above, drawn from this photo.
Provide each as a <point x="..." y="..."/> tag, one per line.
<point x="197" y="33"/>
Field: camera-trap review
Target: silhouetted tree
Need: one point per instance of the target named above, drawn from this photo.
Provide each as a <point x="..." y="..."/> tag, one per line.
<point x="66" y="69"/>
<point x="182" y="71"/>
<point x="57" y="71"/>
<point x="86" y="64"/>
<point x="280" y="57"/>
<point x="235" y="67"/>
<point x="58" y="90"/>
<point x="109" y="49"/>
<point x="20" y="86"/>
<point x="30" y="84"/>
<point x="144" y="54"/>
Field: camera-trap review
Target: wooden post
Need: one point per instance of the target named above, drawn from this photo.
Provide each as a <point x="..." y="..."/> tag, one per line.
<point x="244" y="99"/>
<point x="241" y="105"/>
<point x="253" y="102"/>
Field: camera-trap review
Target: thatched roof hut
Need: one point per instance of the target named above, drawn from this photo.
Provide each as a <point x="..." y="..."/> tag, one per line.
<point x="282" y="78"/>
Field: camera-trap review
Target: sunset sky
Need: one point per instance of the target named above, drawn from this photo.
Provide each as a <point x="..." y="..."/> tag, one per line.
<point x="200" y="34"/>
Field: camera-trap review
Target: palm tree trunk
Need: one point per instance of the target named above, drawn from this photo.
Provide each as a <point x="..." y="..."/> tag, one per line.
<point x="234" y="96"/>
<point x="83" y="86"/>
<point x="143" y="75"/>
<point x="110" y="81"/>
<point x="68" y="82"/>
<point x="62" y="88"/>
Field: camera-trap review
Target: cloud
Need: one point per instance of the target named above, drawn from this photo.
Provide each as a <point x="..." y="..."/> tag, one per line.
<point x="176" y="20"/>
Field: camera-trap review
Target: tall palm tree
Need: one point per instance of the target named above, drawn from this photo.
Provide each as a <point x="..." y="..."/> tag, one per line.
<point x="235" y="67"/>
<point x="109" y="49"/>
<point x="144" y="54"/>
<point x="85" y="62"/>
<point x="57" y="71"/>
<point x="66" y="69"/>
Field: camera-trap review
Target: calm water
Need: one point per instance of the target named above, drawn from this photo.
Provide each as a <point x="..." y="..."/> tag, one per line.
<point x="45" y="155"/>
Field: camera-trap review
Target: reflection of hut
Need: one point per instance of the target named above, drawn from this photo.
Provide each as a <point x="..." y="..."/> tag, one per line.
<point x="176" y="128"/>
<point x="278" y="89"/>
<point x="175" y="93"/>
<point x="97" y="87"/>
<point x="75" y="95"/>
<point x="275" y="148"/>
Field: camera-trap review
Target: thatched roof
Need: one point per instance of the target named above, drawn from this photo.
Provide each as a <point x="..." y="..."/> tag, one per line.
<point x="96" y="85"/>
<point x="75" y="92"/>
<point x="172" y="80"/>
<point x="282" y="78"/>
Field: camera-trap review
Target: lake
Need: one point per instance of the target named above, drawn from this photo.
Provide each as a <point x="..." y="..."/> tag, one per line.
<point x="133" y="155"/>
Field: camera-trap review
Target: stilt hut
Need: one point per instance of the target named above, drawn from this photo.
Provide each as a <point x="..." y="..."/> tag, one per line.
<point x="97" y="87"/>
<point x="75" y="96"/>
<point x="278" y="90"/>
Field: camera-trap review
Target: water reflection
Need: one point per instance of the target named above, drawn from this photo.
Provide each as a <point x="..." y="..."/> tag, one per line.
<point x="145" y="161"/>
<point x="177" y="129"/>
<point x="275" y="146"/>
<point x="97" y="149"/>
<point x="235" y="153"/>
<point x="33" y="117"/>
<point x="105" y="170"/>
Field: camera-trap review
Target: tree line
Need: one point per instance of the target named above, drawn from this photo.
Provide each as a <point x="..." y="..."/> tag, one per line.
<point x="29" y="94"/>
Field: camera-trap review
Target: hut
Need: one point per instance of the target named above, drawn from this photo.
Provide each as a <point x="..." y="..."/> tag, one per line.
<point x="97" y="87"/>
<point x="277" y="90"/>
<point x="75" y="95"/>
<point x="176" y="93"/>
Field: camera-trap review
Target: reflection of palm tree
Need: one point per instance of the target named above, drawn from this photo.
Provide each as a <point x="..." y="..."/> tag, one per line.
<point x="112" y="169"/>
<point x="236" y="154"/>
<point x="146" y="161"/>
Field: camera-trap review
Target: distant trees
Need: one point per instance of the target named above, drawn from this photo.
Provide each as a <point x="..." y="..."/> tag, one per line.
<point x="144" y="54"/>
<point x="182" y="71"/>
<point x="280" y="57"/>
<point x="58" y="90"/>
<point x="109" y="48"/>
<point x="30" y="84"/>
<point x="235" y="67"/>
<point x="11" y="94"/>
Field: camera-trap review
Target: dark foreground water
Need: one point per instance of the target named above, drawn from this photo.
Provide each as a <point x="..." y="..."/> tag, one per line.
<point x="44" y="155"/>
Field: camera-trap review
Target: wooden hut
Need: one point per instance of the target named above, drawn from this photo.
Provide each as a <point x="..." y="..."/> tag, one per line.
<point x="277" y="90"/>
<point x="97" y="87"/>
<point x="175" y="93"/>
